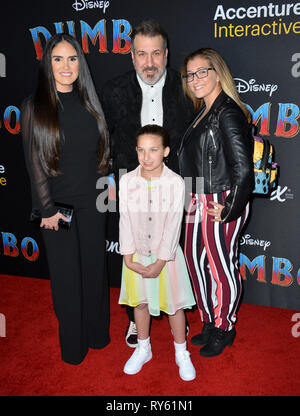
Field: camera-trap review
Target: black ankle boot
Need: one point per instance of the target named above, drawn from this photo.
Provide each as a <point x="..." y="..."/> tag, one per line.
<point x="202" y="339"/>
<point x="218" y="341"/>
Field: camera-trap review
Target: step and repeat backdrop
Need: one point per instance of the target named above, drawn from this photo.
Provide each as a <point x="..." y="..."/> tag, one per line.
<point x="259" y="40"/>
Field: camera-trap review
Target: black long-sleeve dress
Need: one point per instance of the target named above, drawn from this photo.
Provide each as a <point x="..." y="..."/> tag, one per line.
<point x="76" y="257"/>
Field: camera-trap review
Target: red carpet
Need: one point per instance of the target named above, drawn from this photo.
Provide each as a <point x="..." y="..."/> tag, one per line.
<point x="263" y="361"/>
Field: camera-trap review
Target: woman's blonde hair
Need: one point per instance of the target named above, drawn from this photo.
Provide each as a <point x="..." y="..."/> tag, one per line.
<point x="227" y="83"/>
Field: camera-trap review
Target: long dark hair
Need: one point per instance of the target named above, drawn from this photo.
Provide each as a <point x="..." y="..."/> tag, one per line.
<point x="46" y="131"/>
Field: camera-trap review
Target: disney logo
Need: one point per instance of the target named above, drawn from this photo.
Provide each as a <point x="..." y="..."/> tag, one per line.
<point x="246" y="239"/>
<point x="244" y="86"/>
<point x="83" y="4"/>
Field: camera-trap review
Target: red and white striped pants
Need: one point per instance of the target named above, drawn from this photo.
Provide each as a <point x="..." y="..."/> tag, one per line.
<point x="211" y="250"/>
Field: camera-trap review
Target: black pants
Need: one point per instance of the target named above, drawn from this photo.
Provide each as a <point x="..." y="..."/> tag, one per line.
<point x="79" y="283"/>
<point x="130" y="313"/>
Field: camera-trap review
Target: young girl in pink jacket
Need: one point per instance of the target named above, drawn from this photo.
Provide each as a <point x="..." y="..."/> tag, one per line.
<point x="154" y="275"/>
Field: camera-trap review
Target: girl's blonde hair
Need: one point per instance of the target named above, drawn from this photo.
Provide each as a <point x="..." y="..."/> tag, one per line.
<point x="227" y="83"/>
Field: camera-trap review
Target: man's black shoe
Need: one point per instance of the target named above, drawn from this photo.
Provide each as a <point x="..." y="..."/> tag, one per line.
<point x="218" y="341"/>
<point x="202" y="339"/>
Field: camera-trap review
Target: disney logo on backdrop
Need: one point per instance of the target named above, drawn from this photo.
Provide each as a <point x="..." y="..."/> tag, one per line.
<point x="281" y="194"/>
<point x="83" y="4"/>
<point x="247" y="240"/>
<point x="250" y="86"/>
<point x="2" y="66"/>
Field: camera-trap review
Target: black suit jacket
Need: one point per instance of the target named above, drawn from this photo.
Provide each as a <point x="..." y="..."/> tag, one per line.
<point x="122" y="102"/>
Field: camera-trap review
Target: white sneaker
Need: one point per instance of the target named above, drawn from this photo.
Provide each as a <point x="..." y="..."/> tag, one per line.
<point x="131" y="335"/>
<point x="186" y="369"/>
<point x="135" y="363"/>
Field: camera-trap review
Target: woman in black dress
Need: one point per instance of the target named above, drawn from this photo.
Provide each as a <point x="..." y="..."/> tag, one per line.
<point x="66" y="149"/>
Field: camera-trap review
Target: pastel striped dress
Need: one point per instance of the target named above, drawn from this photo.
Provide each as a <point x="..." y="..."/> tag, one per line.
<point x="168" y="292"/>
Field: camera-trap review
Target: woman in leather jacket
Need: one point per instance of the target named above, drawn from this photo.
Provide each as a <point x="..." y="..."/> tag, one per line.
<point x="215" y="158"/>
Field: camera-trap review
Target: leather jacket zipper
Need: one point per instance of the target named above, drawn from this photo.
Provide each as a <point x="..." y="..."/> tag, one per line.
<point x="213" y="138"/>
<point x="210" y="167"/>
<point x="203" y="147"/>
<point x="210" y="160"/>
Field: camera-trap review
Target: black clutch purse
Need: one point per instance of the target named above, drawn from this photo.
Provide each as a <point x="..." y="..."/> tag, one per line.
<point x="65" y="209"/>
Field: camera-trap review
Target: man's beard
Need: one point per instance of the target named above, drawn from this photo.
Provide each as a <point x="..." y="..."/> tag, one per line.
<point x="154" y="78"/>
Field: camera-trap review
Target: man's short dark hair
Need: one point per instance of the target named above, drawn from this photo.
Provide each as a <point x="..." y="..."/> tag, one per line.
<point x="149" y="28"/>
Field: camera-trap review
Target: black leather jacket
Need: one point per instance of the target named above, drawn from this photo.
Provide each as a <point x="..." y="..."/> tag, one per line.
<point x="219" y="149"/>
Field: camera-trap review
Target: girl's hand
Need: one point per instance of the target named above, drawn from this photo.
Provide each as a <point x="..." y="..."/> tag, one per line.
<point x="216" y="211"/>
<point x="154" y="269"/>
<point x="51" y="223"/>
<point x="134" y="266"/>
<point x="137" y="267"/>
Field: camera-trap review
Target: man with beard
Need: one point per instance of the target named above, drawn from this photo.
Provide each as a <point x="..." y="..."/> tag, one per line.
<point x="150" y="94"/>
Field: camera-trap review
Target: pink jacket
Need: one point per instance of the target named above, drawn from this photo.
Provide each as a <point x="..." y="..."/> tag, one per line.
<point x="150" y="217"/>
